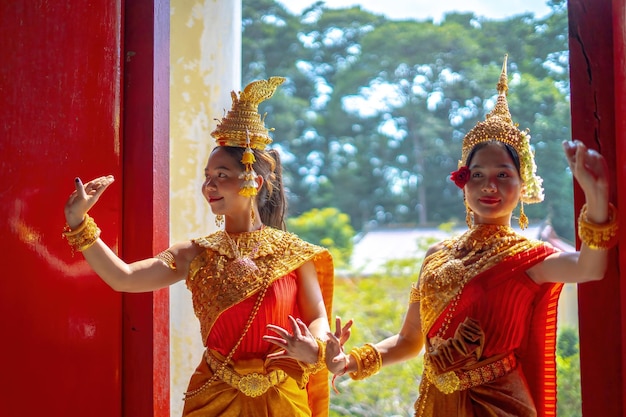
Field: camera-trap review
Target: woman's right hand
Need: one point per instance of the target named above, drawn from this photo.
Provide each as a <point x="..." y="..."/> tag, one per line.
<point x="83" y="198"/>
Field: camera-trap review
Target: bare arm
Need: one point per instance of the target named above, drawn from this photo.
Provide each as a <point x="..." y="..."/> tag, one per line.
<point x="591" y="172"/>
<point x="141" y="276"/>
<point x="404" y="345"/>
<point x="407" y="343"/>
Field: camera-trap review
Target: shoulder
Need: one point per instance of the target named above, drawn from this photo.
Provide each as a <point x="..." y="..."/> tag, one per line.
<point x="290" y="240"/>
<point x="208" y="241"/>
<point x="434" y="248"/>
<point x="185" y="251"/>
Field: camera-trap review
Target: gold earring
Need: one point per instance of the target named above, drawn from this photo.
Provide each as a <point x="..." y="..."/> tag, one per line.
<point x="219" y="220"/>
<point x="523" y="220"/>
<point x="468" y="215"/>
<point x="252" y="216"/>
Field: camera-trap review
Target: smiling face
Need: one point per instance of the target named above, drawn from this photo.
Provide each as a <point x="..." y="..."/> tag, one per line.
<point x="222" y="184"/>
<point x="495" y="186"/>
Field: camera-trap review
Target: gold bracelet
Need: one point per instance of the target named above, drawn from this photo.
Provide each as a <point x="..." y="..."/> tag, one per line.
<point x="368" y="361"/>
<point x="84" y="236"/>
<point x="68" y="231"/>
<point x="312" y="368"/>
<point x="598" y="236"/>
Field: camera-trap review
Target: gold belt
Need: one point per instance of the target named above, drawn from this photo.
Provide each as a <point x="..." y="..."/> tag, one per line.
<point x="451" y="381"/>
<point x="253" y="384"/>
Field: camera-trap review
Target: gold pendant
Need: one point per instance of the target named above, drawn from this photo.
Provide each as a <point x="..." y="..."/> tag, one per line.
<point x="242" y="267"/>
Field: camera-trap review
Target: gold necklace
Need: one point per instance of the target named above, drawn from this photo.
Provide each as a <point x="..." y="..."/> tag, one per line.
<point x="241" y="266"/>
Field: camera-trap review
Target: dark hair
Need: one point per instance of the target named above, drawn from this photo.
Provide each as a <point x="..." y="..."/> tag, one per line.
<point x="271" y="197"/>
<point x="511" y="150"/>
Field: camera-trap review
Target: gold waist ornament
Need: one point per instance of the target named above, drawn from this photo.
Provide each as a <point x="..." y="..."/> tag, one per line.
<point x="253" y="384"/>
<point x="459" y="380"/>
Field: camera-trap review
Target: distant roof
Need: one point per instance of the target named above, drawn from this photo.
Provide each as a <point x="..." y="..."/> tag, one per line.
<point x="375" y="247"/>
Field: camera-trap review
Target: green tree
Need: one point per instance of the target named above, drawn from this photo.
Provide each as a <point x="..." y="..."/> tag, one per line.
<point x="569" y="403"/>
<point x="374" y="111"/>
<point x="326" y="227"/>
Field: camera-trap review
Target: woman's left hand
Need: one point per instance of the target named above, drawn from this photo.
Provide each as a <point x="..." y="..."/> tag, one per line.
<point x="300" y="344"/>
<point x="592" y="174"/>
<point x="587" y="165"/>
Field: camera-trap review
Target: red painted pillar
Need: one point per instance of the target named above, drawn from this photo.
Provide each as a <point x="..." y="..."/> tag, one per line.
<point x="619" y="67"/>
<point x="83" y="91"/>
<point x="146" y="377"/>
<point x="60" y="98"/>
<point x="597" y="97"/>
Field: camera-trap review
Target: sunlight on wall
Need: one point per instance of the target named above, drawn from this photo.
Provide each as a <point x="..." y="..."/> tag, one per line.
<point x="205" y="65"/>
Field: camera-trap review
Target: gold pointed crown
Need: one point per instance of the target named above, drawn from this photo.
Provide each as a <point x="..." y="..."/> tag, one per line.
<point x="243" y="126"/>
<point x="499" y="126"/>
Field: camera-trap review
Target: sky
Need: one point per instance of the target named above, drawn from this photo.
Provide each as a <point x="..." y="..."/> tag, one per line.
<point x="424" y="9"/>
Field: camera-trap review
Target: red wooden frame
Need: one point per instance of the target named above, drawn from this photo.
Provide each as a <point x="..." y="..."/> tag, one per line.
<point x="146" y="375"/>
<point x="597" y="98"/>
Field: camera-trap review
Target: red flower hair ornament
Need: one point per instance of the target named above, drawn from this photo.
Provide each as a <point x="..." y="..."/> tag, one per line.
<point x="461" y="176"/>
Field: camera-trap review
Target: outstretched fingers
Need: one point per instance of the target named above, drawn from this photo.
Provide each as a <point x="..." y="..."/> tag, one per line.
<point x="342" y="333"/>
<point x="84" y="197"/>
<point x="284" y="338"/>
<point x="587" y="165"/>
<point x="95" y="187"/>
<point x="298" y="344"/>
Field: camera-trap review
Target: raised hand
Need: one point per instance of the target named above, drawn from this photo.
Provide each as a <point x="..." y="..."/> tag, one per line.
<point x="592" y="174"/>
<point x="83" y="198"/>
<point x="298" y="344"/>
<point x="587" y="165"/>
<point x="336" y="358"/>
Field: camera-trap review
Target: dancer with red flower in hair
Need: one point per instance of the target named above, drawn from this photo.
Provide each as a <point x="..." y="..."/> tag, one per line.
<point x="484" y="306"/>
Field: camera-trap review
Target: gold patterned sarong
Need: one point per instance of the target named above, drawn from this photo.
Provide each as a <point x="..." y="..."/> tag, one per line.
<point x="220" y="398"/>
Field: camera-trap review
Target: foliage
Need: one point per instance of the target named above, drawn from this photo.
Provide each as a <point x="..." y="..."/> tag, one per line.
<point x="569" y="402"/>
<point x="328" y="228"/>
<point x="372" y="116"/>
<point x="377" y="305"/>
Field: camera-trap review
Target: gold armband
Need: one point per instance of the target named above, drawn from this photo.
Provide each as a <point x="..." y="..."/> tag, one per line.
<point x="368" y="361"/>
<point x="167" y="258"/>
<point x="598" y="236"/>
<point x="84" y="236"/>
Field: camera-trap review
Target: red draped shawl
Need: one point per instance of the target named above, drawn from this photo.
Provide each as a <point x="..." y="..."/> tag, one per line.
<point x="516" y="314"/>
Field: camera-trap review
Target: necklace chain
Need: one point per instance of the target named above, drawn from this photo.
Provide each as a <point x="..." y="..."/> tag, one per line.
<point x="238" y="265"/>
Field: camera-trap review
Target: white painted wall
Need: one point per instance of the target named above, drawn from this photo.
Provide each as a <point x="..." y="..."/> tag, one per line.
<point x="205" y="65"/>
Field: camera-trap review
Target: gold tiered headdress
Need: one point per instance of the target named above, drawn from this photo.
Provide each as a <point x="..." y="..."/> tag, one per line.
<point x="243" y="126"/>
<point x="499" y="126"/>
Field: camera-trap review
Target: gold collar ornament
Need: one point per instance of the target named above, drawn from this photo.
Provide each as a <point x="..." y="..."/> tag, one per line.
<point x="499" y="126"/>
<point x="243" y="127"/>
